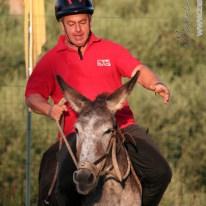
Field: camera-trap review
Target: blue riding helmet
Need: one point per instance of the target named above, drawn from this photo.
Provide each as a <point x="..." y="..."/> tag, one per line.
<point x="69" y="7"/>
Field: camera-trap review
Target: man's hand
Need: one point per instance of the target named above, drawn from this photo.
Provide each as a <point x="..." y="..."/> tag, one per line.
<point x="162" y="90"/>
<point x="149" y="80"/>
<point x="40" y="105"/>
<point x="56" y="110"/>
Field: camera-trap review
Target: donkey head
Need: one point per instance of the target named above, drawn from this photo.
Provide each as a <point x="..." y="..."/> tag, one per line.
<point x="95" y="127"/>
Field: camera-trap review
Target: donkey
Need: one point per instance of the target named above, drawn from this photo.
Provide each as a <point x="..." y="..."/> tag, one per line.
<point x="104" y="175"/>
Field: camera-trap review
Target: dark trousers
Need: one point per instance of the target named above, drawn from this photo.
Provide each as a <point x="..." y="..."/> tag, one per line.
<point x="150" y="166"/>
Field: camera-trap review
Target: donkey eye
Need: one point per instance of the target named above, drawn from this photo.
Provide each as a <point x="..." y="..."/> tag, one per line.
<point x="108" y="131"/>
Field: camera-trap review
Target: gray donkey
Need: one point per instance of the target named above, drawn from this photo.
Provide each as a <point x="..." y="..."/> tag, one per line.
<point x="104" y="175"/>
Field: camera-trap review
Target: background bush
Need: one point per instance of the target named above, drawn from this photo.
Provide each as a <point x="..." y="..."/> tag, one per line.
<point x="154" y="31"/>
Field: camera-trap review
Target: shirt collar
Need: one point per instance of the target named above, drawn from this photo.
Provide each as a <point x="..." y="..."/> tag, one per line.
<point x="61" y="45"/>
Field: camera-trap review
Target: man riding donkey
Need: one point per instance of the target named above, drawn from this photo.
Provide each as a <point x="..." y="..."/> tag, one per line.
<point x="92" y="65"/>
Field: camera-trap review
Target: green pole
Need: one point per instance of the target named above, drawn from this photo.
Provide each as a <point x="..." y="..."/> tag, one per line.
<point x="29" y="115"/>
<point x="28" y="158"/>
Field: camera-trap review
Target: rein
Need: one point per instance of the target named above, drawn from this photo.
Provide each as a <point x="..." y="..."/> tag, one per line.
<point x="115" y="164"/>
<point x="67" y="144"/>
<point x="51" y="188"/>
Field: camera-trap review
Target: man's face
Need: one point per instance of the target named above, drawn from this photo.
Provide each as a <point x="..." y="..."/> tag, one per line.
<point x="77" y="28"/>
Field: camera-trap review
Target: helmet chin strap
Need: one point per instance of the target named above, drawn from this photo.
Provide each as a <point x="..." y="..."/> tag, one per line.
<point x="78" y="47"/>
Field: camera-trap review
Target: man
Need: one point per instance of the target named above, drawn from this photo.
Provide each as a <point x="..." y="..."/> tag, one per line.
<point x="93" y="65"/>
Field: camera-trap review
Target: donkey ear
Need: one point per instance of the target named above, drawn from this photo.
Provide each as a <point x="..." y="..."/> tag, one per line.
<point x="76" y="100"/>
<point x="117" y="99"/>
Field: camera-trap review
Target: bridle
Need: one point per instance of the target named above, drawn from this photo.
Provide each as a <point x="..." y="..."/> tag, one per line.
<point x="102" y="167"/>
<point x="111" y="150"/>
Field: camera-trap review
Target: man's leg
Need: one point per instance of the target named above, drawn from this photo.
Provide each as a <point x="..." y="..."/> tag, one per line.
<point x="150" y="166"/>
<point x="46" y="174"/>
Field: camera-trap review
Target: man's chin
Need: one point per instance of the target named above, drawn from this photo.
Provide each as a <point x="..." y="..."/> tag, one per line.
<point x="80" y="44"/>
<point x="77" y="43"/>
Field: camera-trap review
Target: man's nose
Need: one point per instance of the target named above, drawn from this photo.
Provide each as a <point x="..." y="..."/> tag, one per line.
<point x="78" y="27"/>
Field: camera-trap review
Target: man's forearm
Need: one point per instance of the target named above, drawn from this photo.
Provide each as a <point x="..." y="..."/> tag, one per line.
<point x="150" y="81"/>
<point x="147" y="77"/>
<point x="38" y="104"/>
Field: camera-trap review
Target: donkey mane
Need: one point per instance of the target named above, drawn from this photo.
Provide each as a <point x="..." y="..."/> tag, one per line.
<point x="96" y="105"/>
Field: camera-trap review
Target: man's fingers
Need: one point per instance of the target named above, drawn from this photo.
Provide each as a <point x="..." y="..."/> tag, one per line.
<point x="57" y="111"/>
<point x="163" y="92"/>
<point x="64" y="107"/>
<point x="166" y="98"/>
<point x="62" y="101"/>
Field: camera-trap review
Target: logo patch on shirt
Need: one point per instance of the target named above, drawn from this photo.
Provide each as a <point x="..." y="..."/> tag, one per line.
<point x="103" y="63"/>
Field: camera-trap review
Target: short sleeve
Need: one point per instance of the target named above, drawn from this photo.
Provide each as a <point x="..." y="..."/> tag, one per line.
<point x="125" y="61"/>
<point x="42" y="80"/>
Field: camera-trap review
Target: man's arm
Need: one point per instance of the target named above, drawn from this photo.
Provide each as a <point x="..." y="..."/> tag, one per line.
<point x="149" y="80"/>
<point x="40" y="105"/>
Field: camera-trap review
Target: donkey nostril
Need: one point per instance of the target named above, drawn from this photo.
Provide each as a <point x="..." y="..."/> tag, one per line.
<point x="83" y="177"/>
<point x="75" y="176"/>
<point x="91" y="178"/>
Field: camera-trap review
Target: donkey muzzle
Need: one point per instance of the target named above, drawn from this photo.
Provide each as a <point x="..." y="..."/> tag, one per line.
<point x="85" y="181"/>
<point x="86" y="177"/>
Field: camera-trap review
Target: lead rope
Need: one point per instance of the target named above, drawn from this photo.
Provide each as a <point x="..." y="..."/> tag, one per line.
<point x="46" y="201"/>
<point x="137" y="180"/>
<point x="120" y="177"/>
<point x="130" y="167"/>
<point x="51" y="188"/>
<point x="131" y="139"/>
<point x="67" y="144"/>
<point x="129" y="161"/>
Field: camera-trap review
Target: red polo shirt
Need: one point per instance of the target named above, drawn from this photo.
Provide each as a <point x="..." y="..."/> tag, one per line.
<point x="103" y="64"/>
